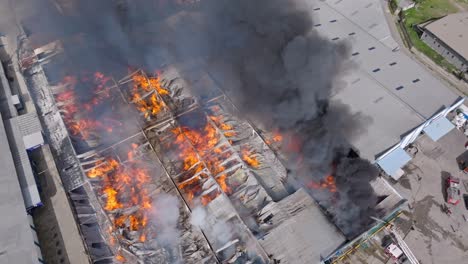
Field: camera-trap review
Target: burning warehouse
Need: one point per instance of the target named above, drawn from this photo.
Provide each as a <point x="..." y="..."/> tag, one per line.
<point x="185" y="158"/>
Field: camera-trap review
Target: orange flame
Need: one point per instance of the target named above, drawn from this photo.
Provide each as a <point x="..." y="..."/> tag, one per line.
<point x="111" y="203"/>
<point x="328" y="183"/>
<point x="150" y="83"/>
<point x="153" y="105"/>
<point x="83" y="127"/>
<point x="207" y="198"/>
<point x="226" y="128"/>
<point x="102" y="168"/>
<point x="222" y="182"/>
<point x="78" y="126"/>
<point x="120" y="258"/>
<point x="192" y="144"/>
<point x="124" y="187"/>
<point x="275" y="138"/>
<point x="249" y="158"/>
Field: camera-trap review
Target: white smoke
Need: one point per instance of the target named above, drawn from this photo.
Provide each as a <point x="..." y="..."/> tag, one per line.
<point x="213" y="227"/>
<point x="165" y="218"/>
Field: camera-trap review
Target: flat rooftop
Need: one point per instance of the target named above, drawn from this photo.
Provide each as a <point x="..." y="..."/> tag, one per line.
<point x="300" y="222"/>
<point x="451" y="29"/>
<point x="16" y="243"/>
<point x="391" y="89"/>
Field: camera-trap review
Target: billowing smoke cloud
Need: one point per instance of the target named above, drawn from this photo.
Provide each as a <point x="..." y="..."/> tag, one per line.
<point x="281" y="73"/>
<point x="266" y="56"/>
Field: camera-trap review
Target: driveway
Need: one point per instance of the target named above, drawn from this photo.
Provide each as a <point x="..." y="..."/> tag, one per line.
<point x="433" y="236"/>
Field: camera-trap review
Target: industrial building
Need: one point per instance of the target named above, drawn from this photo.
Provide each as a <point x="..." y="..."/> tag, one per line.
<point x="38" y="225"/>
<point x="19" y="132"/>
<point x="406" y="4"/>
<point x="150" y="141"/>
<point x="447" y="36"/>
<point x="398" y="95"/>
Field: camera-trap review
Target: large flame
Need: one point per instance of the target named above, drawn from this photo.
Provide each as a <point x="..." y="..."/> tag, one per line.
<point x="83" y="127"/>
<point x="151" y="105"/>
<point x="249" y="158"/>
<point x="78" y="125"/>
<point x="192" y="144"/>
<point x="226" y="128"/>
<point x="223" y="184"/>
<point x="325" y="184"/>
<point x="149" y="83"/>
<point x="124" y="188"/>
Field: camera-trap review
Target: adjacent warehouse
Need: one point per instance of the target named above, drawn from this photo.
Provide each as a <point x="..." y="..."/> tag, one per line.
<point x="448" y="36"/>
<point x="18" y="190"/>
<point x="397" y="95"/>
<point x="18" y="243"/>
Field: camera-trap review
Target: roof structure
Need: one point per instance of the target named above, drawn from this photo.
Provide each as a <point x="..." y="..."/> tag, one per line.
<point x="300" y="222"/>
<point x="389" y="88"/>
<point x="17" y="243"/>
<point x="394" y="160"/>
<point x="22" y="163"/>
<point x="406" y="4"/>
<point x="452" y="30"/>
<point x="31" y="129"/>
<point x="439" y="128"/>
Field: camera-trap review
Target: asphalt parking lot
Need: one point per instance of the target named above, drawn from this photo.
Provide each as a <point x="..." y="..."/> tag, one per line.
<point x="432" y="235"/>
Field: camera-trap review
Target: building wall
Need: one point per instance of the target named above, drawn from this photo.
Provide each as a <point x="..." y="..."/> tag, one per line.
<point x="440" y="47"/>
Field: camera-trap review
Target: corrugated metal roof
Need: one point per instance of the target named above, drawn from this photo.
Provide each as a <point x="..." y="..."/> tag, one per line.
<point x="394" y="160"/>
<point x="16" y="243"/>
<point x="303" y="233"/>
<point x="438" y="128"/>
<point x="22" y="163"/>
<point x="31" y="130"/>
<point x="29" y="124"/>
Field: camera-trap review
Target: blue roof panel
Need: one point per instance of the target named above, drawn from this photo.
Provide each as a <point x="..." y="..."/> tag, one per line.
<point x="394" y="161"/>
<point x="438" y="128"/>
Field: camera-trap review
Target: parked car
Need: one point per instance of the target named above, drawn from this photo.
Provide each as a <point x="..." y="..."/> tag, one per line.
<point x="453" y="190"/>
<point x="395" y="252"/>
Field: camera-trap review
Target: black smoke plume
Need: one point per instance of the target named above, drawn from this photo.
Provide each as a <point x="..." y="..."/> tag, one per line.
<point x="266" y="56"/>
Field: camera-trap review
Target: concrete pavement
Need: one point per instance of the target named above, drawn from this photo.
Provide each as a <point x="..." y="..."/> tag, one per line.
<point x="432" y="235"/>
<point x="458" y="86"/>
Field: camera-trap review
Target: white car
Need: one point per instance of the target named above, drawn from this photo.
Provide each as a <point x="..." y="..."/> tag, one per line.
<point x="395" y="252"/>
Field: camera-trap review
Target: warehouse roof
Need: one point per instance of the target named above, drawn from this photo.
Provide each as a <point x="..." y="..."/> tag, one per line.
<point x="22" y="163"/>
<point x="452" y="30"/>
<point x="396" y="92"/>
<point x="300" y="222"/>
<point x="17" y="244"/>
<point x="438" y="128"/>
